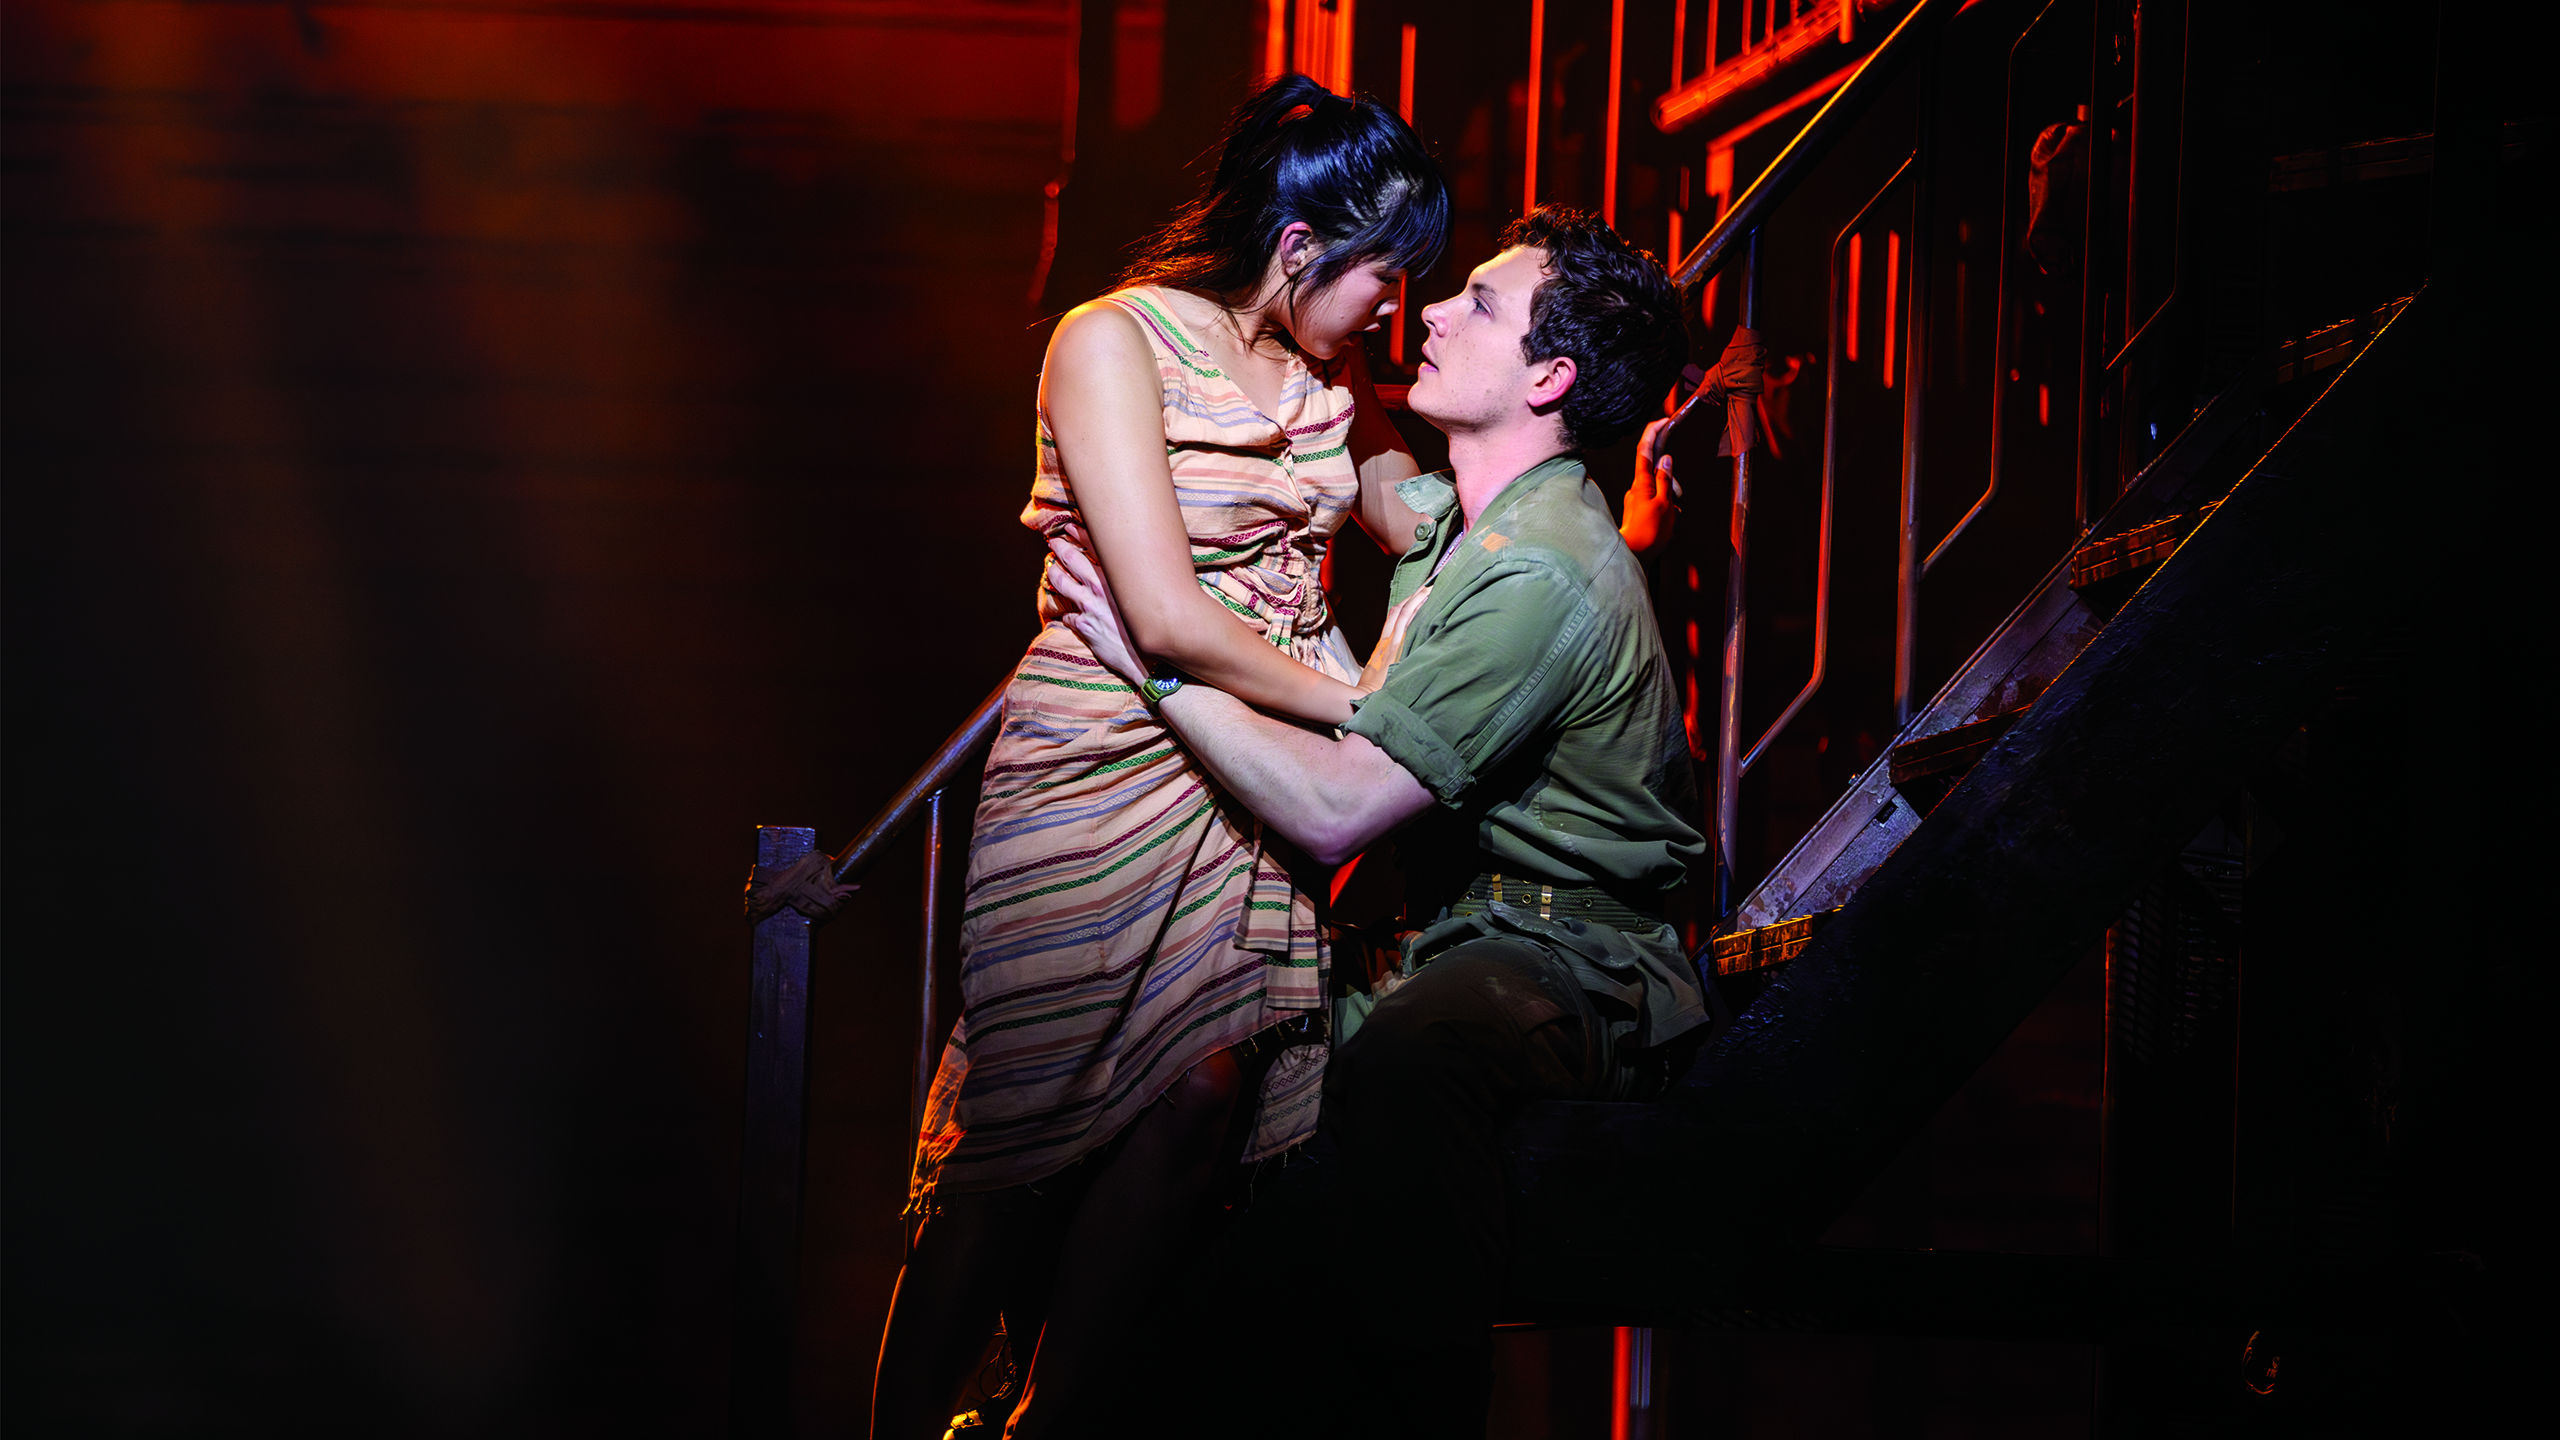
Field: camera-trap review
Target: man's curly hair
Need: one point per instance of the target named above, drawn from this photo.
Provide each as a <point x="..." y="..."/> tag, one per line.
<point x="1609" y="308"/>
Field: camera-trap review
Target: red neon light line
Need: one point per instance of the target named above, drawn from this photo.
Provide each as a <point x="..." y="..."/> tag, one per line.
<point x="1680" y="36"/>
<point x="1849" y="336"/>
<point x="1404" y="78"/>
<point x="1815" y="91"/>
<point x="1404" y="107"/>
<point x="1275" y="40"/>
<point x="1621" y="1357"/>
<point x="1892" y="291"/>
<point x="1609" y="166"/>
<point x="1537" y="84"/>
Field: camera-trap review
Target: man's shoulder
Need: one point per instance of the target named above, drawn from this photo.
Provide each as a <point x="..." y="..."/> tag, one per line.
<point x="1563" y="525"/>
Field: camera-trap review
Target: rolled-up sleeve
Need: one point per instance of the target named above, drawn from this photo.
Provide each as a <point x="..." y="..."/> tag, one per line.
<point x="1493" y="671"/>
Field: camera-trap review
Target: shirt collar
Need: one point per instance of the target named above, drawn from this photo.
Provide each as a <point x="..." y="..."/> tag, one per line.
<point x="1436" y="494"/>
<point x="1530" y="479"/>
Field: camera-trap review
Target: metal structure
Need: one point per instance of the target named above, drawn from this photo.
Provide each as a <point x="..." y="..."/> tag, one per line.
<point x="773" y="1152"/>
<point x="1927" y="924"/>
<point x="1971" y="918"/>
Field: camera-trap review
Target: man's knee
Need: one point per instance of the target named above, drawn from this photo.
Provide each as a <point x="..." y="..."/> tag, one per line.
<point x="1487" y="1005"/>
<point x="1432" y="1018"/>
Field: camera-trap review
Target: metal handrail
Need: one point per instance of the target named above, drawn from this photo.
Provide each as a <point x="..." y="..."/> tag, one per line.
<point x="922" y="795"/>
<point x="1815" y="140"/>
<point x="1741" y="224"/>
<point x="1830" y="455"/>
<point x="2000" y="296"/>
<point x="1728" y="796"/>
<point x="974" y="735"/>
<point x="1915" y="388"/>
<point x="2178" y="241"/>
<point x="772" y="1154"/>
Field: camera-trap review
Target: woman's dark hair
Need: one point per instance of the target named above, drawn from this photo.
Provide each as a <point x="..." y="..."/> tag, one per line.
<point x="1609" y="307"/>
<point x="1350" y="168"/>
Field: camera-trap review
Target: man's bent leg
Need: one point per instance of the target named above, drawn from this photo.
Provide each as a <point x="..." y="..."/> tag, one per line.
<point x="1414" y="1102"/>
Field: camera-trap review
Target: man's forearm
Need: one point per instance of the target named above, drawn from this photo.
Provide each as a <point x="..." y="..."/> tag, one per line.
<point x="1330" y="798"/>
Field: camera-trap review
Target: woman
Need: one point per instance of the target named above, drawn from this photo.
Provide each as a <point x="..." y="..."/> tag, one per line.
<point x="1142" y="975"/>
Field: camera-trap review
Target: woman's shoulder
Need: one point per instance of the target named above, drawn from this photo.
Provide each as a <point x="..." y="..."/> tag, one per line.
<point x="1163" y="316"/>
<point x="1106" y="332"/>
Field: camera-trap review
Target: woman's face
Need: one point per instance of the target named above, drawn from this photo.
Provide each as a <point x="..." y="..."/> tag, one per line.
<point x="1364" y="298"/>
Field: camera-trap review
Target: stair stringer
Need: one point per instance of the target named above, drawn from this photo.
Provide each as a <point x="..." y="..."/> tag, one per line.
<point x="1966" y="926"/>
<point x="2025" y="650"/>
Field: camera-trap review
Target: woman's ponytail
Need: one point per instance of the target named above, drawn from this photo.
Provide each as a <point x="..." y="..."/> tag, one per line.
<point x="1348" y="168"/>
<point x="1258" y="121"/>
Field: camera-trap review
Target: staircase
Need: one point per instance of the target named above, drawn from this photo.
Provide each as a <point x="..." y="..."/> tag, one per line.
<point x="1948" y="919"/>
<point x="2049" y="630"/>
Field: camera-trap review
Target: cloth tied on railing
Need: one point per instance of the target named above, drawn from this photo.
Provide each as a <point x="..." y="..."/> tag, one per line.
<point x="809" y="887"/>
<point x="1738" y="379"/>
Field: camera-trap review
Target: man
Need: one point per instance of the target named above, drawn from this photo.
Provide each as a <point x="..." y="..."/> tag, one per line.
<point x="1524" y="744"/>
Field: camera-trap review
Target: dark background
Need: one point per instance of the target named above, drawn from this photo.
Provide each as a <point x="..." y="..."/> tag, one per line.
<point x="468" y="463"/>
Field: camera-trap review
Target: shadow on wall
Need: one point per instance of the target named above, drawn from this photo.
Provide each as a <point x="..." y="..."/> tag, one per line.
<point x="465" y="469"/>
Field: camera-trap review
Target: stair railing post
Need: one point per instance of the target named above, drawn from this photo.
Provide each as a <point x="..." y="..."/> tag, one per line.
<point x="1729" y="684"/>
<point x="770" y="1152"/>
<point x="1915" y="386"/>
<point x="928" y="1040"/>
<point x="2085" y="505"/>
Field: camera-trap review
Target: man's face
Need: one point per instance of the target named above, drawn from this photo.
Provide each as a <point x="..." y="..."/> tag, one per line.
<point x="1472" y="376"/>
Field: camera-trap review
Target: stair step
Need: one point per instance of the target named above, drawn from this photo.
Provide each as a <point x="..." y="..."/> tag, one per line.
<point x="2042" y="636"/>
<point x="1765" y="945"/>
<point x="1864" y="825"/>
<point x="2330" y="348"/>
<point x="1926" y="769"/>
<point x="2108" y="571"/>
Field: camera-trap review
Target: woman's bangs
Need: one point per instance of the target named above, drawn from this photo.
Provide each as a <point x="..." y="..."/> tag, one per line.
<point x="1410" y="235"/>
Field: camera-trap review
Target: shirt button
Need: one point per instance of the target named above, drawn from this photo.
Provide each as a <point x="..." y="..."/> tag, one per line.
<point x="1422" y="531"/>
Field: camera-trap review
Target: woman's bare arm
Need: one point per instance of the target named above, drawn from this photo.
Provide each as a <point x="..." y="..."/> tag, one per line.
<point x="1105" y="405"/>
<point x="1383" y="462"/>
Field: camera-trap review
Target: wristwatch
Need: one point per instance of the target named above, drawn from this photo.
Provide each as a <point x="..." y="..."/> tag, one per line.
<point x="1156" y="687"/>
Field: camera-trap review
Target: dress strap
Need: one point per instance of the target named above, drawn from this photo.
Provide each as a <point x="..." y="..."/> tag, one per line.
<point x="1156" y="318"/>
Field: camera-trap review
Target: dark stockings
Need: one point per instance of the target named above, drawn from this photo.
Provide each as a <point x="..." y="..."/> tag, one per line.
<point x="982" y="1255"/>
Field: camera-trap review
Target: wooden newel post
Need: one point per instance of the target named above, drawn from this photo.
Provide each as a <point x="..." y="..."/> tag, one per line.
<point x="769" y="1154"/>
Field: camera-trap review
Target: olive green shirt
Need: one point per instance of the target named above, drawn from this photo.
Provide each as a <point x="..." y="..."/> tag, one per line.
<point x="1532" y="697"/>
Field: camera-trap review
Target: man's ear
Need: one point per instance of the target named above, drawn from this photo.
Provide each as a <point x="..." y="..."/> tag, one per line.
<point x="1549" y="380"/>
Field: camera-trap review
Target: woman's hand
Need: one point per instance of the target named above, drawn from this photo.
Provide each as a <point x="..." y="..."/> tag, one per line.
<point x="1653" y="501"/>
<point x="1090" y="613"/>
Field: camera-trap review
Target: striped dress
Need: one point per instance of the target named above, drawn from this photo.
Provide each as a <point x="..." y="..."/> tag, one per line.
<point x="1124" y="919"/>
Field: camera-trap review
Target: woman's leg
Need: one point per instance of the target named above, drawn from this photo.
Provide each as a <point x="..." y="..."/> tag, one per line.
<point x="945" y="1307"/>
<point x="1129" y="1233"/>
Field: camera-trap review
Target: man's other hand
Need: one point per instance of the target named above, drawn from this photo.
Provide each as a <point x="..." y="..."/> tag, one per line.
<point x="1653" y="501"/>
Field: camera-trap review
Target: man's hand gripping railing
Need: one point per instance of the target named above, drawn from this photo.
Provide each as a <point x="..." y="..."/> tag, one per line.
<point x="1653" y="501"/>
